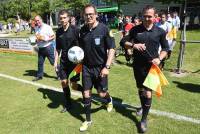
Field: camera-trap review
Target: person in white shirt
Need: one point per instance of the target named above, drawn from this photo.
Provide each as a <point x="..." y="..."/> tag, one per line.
<point x="45" y="42"/>
<point x="175" y="27"/>
<point x="167" y="27"/>
<point x="169" y="18"/>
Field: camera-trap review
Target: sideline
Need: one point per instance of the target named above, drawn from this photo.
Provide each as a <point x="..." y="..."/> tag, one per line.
<point x="78" y="94"/>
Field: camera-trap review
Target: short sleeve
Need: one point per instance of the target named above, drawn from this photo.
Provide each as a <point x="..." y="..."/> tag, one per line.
<point x="109" y="39"/>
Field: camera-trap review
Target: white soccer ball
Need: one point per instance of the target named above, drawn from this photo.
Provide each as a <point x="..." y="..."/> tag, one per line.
<point x="75" y="54"/>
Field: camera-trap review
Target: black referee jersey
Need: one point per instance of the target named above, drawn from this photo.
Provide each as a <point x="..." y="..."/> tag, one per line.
<point x="65" y="40"/>
<point x="153" y="39"/>
<point x="95" y="43"/>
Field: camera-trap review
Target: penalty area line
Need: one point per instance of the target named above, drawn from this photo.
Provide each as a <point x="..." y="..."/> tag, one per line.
<point x="78" y="94"/>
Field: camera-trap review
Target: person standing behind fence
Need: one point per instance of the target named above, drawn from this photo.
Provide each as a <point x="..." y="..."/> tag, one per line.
<point x="167" y="27"/>
<point x="145" y="40"/>
<point x="175" y="27"/>
<point x="45" y="42"/>
<point x="17" y="27"/>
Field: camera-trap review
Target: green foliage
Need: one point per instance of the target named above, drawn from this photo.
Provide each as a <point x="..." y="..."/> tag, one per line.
<point x="78" y="4"/>
<point x="12" y="20"/>
<point x="24" y="8"/>
<point x="3" y="22"/>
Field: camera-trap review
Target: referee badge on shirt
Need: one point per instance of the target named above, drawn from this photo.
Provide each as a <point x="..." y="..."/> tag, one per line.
<point x="97" y="41"/>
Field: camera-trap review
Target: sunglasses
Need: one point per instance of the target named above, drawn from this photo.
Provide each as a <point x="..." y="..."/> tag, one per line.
<point x="147" y="16"/>
<point x="90" y="14"/>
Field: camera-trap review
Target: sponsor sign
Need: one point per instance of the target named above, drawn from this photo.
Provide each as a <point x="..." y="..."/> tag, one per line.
<point x="20" y="44"/>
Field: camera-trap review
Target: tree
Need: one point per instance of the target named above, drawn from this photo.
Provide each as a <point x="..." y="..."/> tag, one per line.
<point x="12" y="8"/>
<point x="77" y="3"/>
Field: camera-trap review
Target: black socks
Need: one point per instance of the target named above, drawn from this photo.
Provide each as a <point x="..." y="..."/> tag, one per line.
<point x="146" y="108"/>
<point x="87" y="107"/>
<point x="67" y="96"/>
<point x="145" y="103"/>
<point x="108" y="98"/>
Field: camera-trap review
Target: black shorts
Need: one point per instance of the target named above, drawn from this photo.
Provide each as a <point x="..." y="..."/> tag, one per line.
<point x="65" y="70"/>
<point x="91" y="77"/>
<point x="140" y="72"/>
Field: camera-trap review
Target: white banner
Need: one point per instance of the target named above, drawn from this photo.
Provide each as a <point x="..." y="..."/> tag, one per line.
<point x="22" y="44"/>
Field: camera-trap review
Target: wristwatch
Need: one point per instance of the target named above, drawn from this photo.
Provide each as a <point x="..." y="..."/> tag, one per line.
<point x="107" y="66"/>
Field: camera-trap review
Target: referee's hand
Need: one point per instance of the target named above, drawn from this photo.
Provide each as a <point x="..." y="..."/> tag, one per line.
<point x="156" y="61"/>
<point x="139" y="46"/>
<point x="104" y="72"/>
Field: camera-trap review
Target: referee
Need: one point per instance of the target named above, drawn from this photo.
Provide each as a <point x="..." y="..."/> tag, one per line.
<point x="66" y="37"/>
<point x="98" y="45"/>
<point x="145" y="40"/>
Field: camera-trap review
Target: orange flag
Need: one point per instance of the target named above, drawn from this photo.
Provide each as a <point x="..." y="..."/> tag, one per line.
<point x="155" y="79"/>
<point x="76" y="70"/>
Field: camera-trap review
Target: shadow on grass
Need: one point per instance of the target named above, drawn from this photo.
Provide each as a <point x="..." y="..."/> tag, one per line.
<point x="124" y="109"/>
<point x="57" y="99"/>
<point x="195" y="88"/>
<point x="198" y="71"/>
<point x="34" y="73"/>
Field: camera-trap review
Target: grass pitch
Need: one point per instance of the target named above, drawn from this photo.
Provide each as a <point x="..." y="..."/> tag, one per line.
<point x="26" y="109"/>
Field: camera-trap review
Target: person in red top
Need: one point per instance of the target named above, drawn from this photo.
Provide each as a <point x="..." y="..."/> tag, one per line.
<point x="128" y="26"/>
<point x="157" y="18"/>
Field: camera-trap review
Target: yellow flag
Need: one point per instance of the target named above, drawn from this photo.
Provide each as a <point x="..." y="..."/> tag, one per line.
<point x="155" y="79"/>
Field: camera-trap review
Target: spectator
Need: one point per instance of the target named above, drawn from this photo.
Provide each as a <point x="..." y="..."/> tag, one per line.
<point x="45" y="42"/>
<point x="32" y="26"/>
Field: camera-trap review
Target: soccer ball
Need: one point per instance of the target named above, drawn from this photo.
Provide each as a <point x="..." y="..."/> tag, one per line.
<point x="75" y="54"/>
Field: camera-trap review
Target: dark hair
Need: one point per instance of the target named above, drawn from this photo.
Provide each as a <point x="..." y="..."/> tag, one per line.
<point x="64" y="11"/>
<point x="163" y="13"/>
<point x="90" y="5"/>
<point x="149" y="7"/>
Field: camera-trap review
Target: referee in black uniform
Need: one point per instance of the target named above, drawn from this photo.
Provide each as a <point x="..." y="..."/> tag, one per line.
<point x="98" y="45"/>
<point x="66" y="37"/>
<point x="145" y="40"/>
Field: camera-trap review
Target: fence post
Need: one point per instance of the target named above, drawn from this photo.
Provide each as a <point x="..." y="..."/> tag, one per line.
<point x="182" y="42"/>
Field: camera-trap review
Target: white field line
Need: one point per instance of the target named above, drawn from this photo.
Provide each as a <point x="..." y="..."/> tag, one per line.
<point x="76" y="93"/>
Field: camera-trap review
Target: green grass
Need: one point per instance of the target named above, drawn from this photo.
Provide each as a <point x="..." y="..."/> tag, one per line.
<point x="26" y="109"/>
